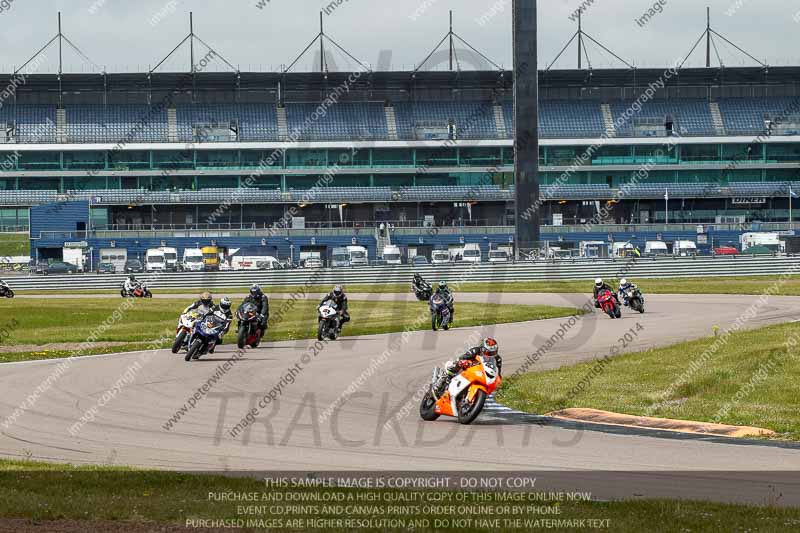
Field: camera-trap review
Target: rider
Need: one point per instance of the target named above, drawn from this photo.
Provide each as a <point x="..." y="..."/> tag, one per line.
<point x="206" y="301"/>
<point x="624" y="287"/>
<point x="418" y="282"/>
<point x="130" y="284"/>
<point x="600" y="286"/>
<point x="487" y="348"/>
<point x="260" y="300"/>
<point x="224" y="307"/>
<point x="338" y="297"/>
<point x="444" y="291"/>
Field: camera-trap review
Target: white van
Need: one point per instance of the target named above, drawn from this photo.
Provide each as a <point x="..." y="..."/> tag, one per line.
<point x="392" y="255"/>
<point x="472" y="253"/>
<point x="440" y="257"/>
<point x="170" y="258"/>
<point x="193" y="260"/>
<point x="358" y="256"/>
<point x="655" y="248"/>
<point x="684" y="248"/>
<point x="498" y="256"/>
<point x="154" y="260"/>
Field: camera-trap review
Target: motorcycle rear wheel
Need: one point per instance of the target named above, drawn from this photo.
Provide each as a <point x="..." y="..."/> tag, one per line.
<point x="468" y="412"/>
<point x="179" y="340"/>
<point x="10" y="294"/>
<point x="193" y="349"/>
<point x="426" y="407"/>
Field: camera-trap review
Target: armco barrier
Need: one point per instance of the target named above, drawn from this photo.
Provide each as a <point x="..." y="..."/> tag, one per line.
<point x="527" y="271"/>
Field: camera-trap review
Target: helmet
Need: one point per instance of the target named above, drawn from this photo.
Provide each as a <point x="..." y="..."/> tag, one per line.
<point x="206" y="298"/>
<point x="623" y="282"/>
<point x="489" y="347"/>
<point x="416" y="275"/>
<point x="132" y="277"/>
<point x="225" y="304"/>
<point x="337" y="290"/>
<point x="598" y="282"/>
<point x="255" y="290"/>
<point x="442" y="284"/>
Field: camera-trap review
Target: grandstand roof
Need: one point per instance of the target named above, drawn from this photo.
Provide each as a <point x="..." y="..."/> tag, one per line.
<point x="404" y="80"/>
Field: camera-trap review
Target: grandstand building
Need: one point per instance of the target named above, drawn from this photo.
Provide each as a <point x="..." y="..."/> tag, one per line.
<point x="299" y="161"/>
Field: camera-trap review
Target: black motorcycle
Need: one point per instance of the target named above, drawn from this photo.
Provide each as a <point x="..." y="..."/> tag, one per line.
<point x="423" y="290"/>
<point x="634" y="299"/>
<point x="248" y="326"/>
<point x="5" y="290"/>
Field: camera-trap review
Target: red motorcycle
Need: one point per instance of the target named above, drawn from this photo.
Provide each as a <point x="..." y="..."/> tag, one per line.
<point x="609" y="304"/>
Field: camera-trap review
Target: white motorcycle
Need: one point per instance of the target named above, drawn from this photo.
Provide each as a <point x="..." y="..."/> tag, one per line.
<point x="5" y="290"/>
<point x="328" y="321"/>
<point x="186" y="324"/>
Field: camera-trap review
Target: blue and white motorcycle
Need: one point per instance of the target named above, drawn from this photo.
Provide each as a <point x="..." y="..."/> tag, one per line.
<point x="206" y="335"/>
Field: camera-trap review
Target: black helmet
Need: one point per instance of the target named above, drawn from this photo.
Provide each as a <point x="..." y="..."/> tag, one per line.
<point x="206" y="298"/>
<point x="225" y="304"/>
<point x="255" y="290"/>
<point x="132" y="277"/>
<point x="337" y="290"/>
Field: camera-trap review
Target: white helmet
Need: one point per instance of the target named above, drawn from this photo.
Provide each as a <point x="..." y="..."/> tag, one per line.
<point x="623" y="282"/>
<point x="598" y="282"/>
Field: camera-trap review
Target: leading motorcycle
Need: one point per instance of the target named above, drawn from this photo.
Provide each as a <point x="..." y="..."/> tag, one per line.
<point x="206" y="335"/>
<point x="466" y="394"/>
<point x="634" y="299"/>
<point x="440" y="313"/>
<point x="5" y="290"/>
<point x="248" y="327"/>
<point x="609" y="304"/>
<point x="328" y="321"/>
<point x="186" y="324"/>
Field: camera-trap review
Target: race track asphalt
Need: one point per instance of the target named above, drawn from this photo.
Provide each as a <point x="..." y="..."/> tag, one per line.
<point x="293" y="432"/>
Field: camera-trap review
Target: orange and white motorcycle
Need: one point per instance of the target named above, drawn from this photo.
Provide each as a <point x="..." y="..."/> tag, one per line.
<point x="465" y="395"/>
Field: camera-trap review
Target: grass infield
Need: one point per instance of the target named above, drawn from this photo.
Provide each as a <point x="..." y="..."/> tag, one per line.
<point x="749" y="379"/>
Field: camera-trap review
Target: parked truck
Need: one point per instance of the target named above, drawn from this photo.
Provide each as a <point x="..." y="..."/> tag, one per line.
<point x="392" y="255"/>
<point x="154" y="260"/>
<point x="358" y="256"/>
<point x="192" y="260"/>
<point x="170" y="258"/>
<point x="210" y="258"/>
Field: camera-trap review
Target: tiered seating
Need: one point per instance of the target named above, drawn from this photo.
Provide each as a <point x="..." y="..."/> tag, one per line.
<point x="257" y="122"/>
<point x="35" y="123"/>
<point x="576" y="191"/>
<point x="113" y="123"/>
<point x="336" y="194"/>
<point x="691" y="117"/>
<point x="745" y="116"/>
<point x="347" y="121"/>
<point x="564" y="119"/>
<point x="767" y="189"/>
<point x="19" y="198"/>
<point x="473" y="120"/>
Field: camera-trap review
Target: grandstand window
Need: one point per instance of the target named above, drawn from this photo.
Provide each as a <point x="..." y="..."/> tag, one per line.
<point x="173" y="159"/>
<point x="782" y="174"/>
<point x="437" y="157"/>
<point x="256" y="158"/>
<point x="268" y="183"/>
<point x="8" y="184"/>
<point x="508" y="155"/>
<point x="741" y="152"/>
<point x="783" y="152"/>
<point x="744" y="174"/>
<point x="40" y="184"/>
<point x="217" y="182"/>
<point x="217" y="158"/>
<point x="84" y="183"/>
<point x="124" y="159"/>
<point x="396" y="181"/>
<point x="84" y="160"/>
<point x="480" y="156"/>
<point x="384" y="157"/>
<point x="349" y="158"/>
<point x="40" y="161"/>
<point x="700" y="152"/>
<point x="306" y="158"/>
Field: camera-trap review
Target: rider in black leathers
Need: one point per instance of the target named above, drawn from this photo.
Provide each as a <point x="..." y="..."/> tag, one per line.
<point x="338" y="297"/>
<point x="260" y="300"/>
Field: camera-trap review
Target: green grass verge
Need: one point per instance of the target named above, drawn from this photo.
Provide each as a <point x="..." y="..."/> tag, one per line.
<point x="700" y="285"/>
<point x="751" y="381"/>
<point x="12" y="244"/>
<point x="46" y="492"/>
<point x="70" y="322"/>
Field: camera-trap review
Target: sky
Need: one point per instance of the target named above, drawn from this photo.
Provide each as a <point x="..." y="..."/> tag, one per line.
<point x="128" y="36"/>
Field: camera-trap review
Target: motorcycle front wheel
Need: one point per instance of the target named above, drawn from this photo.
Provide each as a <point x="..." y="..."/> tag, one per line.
<point x="426" y="407"/>
<point x="241" y="337"/>
<point x="179" y="340"/>
<point x="321" y="330"/>
<point x="193" y="349"/>
<point x="469" y="411"/>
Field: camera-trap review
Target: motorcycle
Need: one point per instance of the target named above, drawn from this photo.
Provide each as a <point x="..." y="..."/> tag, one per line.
<point x="634" y="299"/>
<point x="423" y="291"/>
<point x="608" y="304"/>
<point x="466" y="395"/>
<point x="140" y="291"/>
<point x="248" y="326"/>
<point x="328" y="321"/>
<point x="186" y="325"/>
<point x="440" y="313"/>
<point x="206" y="335"/>
<point x="5" y="290"/>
